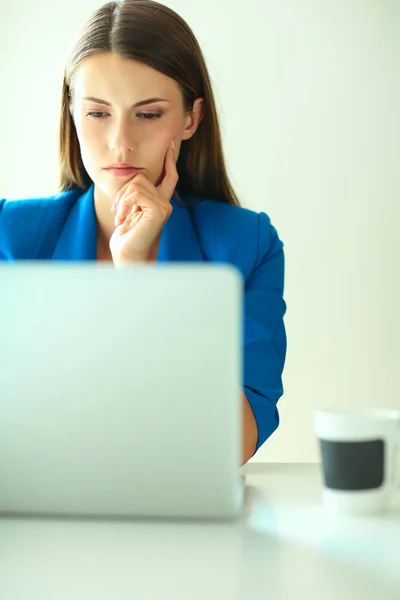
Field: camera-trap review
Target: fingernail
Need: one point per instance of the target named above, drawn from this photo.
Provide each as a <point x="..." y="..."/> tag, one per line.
<point x="116" y="220"/>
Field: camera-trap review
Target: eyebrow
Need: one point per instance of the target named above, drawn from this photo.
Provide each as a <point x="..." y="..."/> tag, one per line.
<point x="141" y="103"/>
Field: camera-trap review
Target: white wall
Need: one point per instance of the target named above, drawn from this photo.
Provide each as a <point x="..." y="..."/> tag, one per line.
<point x="309" y="97"/>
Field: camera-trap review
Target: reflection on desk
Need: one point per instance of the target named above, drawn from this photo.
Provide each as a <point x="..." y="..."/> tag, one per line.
<point x="284" y="547"/>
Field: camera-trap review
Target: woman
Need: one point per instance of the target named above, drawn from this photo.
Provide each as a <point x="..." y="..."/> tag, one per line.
<point x="142" y="178"/>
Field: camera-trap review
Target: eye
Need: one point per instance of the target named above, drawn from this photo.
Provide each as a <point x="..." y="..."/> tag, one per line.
<point x="92" y="113"/>
<point x="149" y="116"/>
<point x="146" y="116"/>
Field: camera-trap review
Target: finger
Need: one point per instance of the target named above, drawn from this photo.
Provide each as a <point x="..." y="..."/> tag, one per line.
<point x="131" y="221"/>
<point x="171" y="177"/>
<point x="126" y="204"/>
<point x="135" y="187"/>
<point x="119" y="195"/>
<point x="134" y="217"/>
<point x="142" y="182"/>
<point x="139" y="180"/>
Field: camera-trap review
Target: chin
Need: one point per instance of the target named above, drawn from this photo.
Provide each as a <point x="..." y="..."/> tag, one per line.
<point x="105" y="191"/>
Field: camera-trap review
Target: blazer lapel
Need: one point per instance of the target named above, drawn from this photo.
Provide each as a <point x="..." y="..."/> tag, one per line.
<point x="78" y="239"/>
<point x="178" y="240"/>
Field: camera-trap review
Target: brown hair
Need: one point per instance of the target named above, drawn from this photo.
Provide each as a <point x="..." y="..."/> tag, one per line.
<point x="155" y="35"/>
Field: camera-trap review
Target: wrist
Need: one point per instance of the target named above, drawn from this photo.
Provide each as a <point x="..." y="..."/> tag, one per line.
<point x="122" y="262"/>
<point x="145" y="255"/>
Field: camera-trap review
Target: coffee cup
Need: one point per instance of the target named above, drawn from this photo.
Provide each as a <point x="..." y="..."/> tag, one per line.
<point x="360" y="458"/>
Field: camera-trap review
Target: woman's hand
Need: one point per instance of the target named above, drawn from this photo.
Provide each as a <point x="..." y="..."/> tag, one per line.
<point x="141" y="213"/>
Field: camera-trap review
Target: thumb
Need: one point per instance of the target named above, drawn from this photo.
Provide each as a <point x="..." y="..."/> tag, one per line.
<point x="168" y="184"/>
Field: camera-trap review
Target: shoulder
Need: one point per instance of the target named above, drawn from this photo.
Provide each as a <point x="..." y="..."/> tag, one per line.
<point x="37" y="205"/>
<point x="22" y="221"/>
<point x="235" y="234"/>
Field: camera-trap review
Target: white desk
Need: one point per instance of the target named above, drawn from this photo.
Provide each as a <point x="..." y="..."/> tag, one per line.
<point x="285" y="547"/>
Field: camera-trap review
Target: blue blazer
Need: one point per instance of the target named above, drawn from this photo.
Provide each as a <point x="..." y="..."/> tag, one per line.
<point x="63" y="227"/>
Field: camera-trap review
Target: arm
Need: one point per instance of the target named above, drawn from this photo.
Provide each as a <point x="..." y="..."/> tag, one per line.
<point x="264" y="340"/>
<point x="2" y="250"/>
<point x="249" y="431"/>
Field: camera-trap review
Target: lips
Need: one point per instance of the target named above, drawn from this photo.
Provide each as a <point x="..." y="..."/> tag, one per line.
<point x="122" y="172"/>
<point x="122" y="166"/>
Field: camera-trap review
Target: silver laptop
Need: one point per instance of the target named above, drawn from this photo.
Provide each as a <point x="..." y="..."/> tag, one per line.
<point x="120" y="390"/>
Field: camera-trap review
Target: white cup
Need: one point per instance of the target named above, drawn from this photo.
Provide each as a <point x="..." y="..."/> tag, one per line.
<point x="360" y="452"/>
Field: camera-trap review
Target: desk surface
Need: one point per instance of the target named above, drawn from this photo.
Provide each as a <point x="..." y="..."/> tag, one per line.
<point x="285" y="547"/>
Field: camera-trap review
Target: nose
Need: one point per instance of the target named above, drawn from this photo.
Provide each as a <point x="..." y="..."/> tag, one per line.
<point x="121" y="138"/>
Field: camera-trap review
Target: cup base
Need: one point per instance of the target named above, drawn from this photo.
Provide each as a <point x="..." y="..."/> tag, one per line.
<point x="369" y="502"/>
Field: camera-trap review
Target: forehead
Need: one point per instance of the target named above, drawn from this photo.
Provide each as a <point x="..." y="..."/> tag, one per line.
<point x="109" y="76"/>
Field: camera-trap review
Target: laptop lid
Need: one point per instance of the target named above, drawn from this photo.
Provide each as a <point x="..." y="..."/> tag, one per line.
<point x="121" y="389"/>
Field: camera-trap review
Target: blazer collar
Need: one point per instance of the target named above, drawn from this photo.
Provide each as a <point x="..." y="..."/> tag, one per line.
<point x="78" y="239"/>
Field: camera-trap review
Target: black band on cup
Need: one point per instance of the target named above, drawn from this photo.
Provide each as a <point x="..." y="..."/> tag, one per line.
<point x="353" y="465"/>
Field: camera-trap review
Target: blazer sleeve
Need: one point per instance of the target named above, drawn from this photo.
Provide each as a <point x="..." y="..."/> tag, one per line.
<point x="264" y="330"/>
<point x="2" y="233"/>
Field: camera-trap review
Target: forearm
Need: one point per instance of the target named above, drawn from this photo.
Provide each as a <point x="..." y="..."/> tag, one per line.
<point x="249" y="431"/>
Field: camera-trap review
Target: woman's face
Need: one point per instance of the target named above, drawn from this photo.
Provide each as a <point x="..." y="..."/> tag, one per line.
<point x="119" y="131"/>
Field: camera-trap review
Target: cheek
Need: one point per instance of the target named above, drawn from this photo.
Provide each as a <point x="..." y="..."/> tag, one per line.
<point x="89" y="141"/>
<point x="164" y="140"/>
<point x="87" y="133"/>
<point x="156" y="151"/>
<point x="160" y="139"/>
